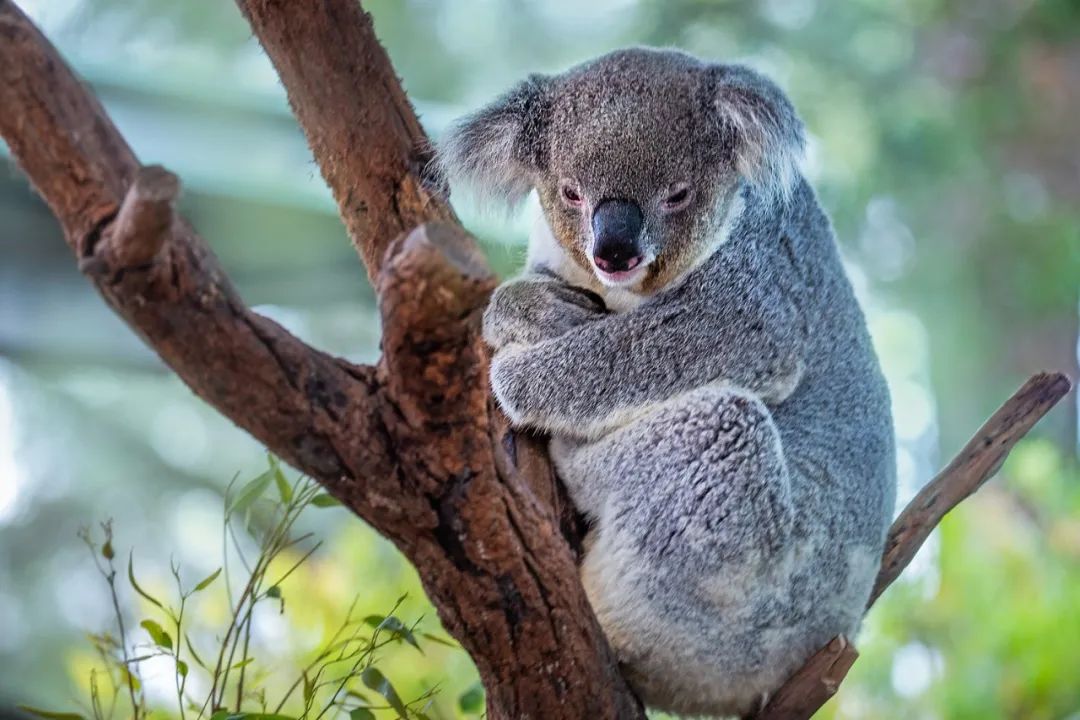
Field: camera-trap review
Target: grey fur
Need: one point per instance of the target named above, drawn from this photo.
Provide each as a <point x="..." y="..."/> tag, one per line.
<point x="722" y="420"/>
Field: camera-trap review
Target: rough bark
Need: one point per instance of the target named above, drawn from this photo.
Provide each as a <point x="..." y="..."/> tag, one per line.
<point x="413" y="445"/>
<point x="410" y="445"/>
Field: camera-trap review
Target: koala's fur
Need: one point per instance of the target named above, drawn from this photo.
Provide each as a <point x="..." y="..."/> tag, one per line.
<point x="722" y="421"/>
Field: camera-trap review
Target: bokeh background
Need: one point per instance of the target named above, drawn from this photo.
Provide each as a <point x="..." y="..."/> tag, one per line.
<point x="944" y="141"/>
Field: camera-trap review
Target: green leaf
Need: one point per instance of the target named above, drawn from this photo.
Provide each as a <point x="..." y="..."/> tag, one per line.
<point x="159" y="636"/>
<point x="273" y="592"/>
<point x="472" y="700"/>
<point x="181" y="668"/>
<point x="50" y="714"/>
<point x="243" y="663"/>
<point x="220" y="715"/>
<point x="361" y="713"/>
<point x="397" y="628"/>
<point x="131" y="579"/>
<point x="285" y="491"/>
<point x="323" y="500"/>
<point x="441" y="641"/>
<point x="309" y="690"/>
<point x="250" y="493"/>
<point x="191" y="649"/>
<point x="207" y="581"/>
<point x="378" y="682"/>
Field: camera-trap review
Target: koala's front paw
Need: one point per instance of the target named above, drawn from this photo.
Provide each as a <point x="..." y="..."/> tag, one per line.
<point x="510" y="382"/>
<point x="530" y="310"/>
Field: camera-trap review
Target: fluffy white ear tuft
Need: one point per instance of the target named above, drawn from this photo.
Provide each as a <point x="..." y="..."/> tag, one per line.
<point x="497" y="151"/>
<point x="761" y="124"/>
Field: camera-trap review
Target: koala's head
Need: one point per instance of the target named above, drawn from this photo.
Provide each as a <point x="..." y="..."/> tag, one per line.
<point x="636" y="157"/>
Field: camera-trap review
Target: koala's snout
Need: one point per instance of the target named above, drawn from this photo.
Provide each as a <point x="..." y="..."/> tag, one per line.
<point x="616" y="226"/>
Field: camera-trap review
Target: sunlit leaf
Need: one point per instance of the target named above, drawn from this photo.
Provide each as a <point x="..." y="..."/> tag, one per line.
<point x="243" y="663"/>
<point x="393" y="625"/>
<point x="378" y="682"/>
<point x="323" y="500"/>
<point x="157" y="633"/>
<point x="135" y="585"/>
<point x="472" y="700"/>
<point x="50" y="714"/>
<point x="207" y="581"/>
<point x="440" y="641"/>
<point x="181" y="668"/>
<point x="250" y="493"/>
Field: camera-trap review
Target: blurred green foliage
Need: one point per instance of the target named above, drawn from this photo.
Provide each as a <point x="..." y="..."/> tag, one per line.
<point x="943" y="140"/>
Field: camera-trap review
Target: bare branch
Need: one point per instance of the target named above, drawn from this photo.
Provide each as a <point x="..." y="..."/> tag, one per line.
<point x="359" y="123"/>
<point x="813" y="684"/>
<point x="311" y="409"/>
<point x="976" y="463"/>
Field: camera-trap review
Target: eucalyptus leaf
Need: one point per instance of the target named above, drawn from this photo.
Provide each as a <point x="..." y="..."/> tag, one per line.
<point x="378" y="682"/>
<point x="472" y="700"/>
<point x="135" y="585"/>
<point x="323" y="500"/>
<point x="207" y="581"/>
<point x="250" y="493"/>
<point x="50" y="714"/>
<point x="285" y="491"/>
<point x="157" y="633"/>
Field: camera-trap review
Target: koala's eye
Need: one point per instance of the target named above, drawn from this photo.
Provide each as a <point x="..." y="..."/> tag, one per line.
<point x="678" y="197"/>
<point x="570" y="195"/>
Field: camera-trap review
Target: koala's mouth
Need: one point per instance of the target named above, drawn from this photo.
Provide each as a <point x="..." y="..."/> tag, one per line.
<point x="623" y="278"/>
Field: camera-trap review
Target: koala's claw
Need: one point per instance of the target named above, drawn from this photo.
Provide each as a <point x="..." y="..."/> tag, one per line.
<point x="534" y="309"/>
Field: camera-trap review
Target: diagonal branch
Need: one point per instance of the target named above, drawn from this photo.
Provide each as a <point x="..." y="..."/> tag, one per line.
<point x="820" y="677"/>
<point x="359" y="123"/>
<point x="155" y="272"/>
<point x="412" y="445"/>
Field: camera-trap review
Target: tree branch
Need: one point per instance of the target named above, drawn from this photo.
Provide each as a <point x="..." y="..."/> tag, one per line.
<point x="359" y="123"/>
<point x="409" y="445"/>
<point x="819" y="678"/>
<point x="413" y="445"/>
<point x="315" y="411"/>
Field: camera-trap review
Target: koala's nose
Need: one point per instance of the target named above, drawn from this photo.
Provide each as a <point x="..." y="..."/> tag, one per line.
<point x="616" y="226"/>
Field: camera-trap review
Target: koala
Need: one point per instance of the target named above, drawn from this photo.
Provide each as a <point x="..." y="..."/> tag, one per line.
<point x="686" y="334"/>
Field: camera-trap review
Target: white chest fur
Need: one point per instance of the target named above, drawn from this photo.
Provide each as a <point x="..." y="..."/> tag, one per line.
<point x="545" y="251"/>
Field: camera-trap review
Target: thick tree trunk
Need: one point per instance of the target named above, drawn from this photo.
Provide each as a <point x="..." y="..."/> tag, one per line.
<point x="414" y="444"/>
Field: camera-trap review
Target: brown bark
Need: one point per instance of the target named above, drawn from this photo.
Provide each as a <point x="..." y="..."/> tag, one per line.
<point x="413" y="445"/>
<point x="410" y="445"/>
<point x="818" y="680"/>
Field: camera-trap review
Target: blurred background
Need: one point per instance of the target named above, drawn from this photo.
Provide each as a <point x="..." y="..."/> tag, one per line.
<point x="944" y="141"/>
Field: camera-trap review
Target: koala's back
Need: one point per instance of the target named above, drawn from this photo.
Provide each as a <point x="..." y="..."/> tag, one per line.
<point x="836" y="429"/>
<point x="739" y="619"/>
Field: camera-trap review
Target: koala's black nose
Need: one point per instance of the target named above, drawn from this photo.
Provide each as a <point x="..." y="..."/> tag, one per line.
<point x="616" y="226"/>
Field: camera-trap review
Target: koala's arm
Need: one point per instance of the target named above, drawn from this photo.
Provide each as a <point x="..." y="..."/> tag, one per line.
<point x="599" y="374"/>
<point x="535" y="307"/>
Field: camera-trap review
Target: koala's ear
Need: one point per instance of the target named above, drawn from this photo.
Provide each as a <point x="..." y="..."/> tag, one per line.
<point x="760" y="124"/>
<point x="498" y="150"/>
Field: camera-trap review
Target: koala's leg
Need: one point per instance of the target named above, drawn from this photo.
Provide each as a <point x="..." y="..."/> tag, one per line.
<point x="691" y="550"/>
